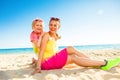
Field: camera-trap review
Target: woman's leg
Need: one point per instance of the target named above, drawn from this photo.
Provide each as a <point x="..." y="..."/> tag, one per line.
<point x="71" y="51"/>
<point x="85" y="62"/>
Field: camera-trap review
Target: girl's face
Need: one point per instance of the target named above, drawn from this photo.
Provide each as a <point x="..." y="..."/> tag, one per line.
<point x="38" y="27"/>
<point x="53" y="26"/>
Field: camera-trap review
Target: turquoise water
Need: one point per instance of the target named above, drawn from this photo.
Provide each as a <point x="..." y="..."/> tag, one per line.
<point x="79" y="47"/>
<point x="93" y="47"/>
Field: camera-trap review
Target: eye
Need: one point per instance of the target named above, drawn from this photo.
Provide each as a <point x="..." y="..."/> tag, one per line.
<point x="55" y="25"/>
<point x="51" y="24"/>
<point x="41" y="25"/>
<point x="37" y="25"/>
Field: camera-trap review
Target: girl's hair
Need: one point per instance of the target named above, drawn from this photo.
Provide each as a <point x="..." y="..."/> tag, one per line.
<point x="36" y="20"/>
<point x="58" y="20"/>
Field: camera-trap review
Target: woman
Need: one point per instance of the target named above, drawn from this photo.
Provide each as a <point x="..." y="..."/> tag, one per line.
<point x="50" y="58"/>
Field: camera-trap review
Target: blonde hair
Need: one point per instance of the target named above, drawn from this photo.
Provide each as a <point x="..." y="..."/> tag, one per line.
<point x="36" y="20"/>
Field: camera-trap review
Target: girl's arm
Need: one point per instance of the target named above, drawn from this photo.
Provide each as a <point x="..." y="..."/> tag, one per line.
<point x="33" y="39"/>
<point x="42" y="49"/>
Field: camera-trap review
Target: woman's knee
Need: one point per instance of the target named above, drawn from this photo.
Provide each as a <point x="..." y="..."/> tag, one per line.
<point x="70" y="49"/>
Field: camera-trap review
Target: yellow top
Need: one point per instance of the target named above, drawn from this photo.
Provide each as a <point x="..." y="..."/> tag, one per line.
<point x="51" y="49"/>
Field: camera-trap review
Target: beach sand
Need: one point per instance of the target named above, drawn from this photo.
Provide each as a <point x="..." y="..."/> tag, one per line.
<point x="17" y="67"/>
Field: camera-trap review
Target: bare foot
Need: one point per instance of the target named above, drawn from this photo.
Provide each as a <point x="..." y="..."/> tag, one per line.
<point x="36" y="71"/>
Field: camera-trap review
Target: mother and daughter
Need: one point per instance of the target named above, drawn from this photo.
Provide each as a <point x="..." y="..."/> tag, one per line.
<point x="50" y="58"/>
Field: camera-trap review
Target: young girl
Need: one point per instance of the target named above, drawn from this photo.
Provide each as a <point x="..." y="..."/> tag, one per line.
<point x="50" y="58"/>
<point x="35" y="37"/>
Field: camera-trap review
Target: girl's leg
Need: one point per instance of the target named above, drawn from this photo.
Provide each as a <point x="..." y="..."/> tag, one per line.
<point x="71" y="51"/>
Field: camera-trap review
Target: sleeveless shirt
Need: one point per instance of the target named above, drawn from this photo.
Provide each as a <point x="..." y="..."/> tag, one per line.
<point x="51" y="49"/>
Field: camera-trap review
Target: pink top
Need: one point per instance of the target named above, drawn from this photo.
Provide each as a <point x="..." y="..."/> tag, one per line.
<point x="34" y="36"/>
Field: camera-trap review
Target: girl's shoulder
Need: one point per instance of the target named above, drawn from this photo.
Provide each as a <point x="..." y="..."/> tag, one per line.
<point x="32" y="34"/>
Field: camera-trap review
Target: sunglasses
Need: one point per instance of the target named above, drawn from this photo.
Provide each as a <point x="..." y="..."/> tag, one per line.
<point x="53" y="18"/>
<point x="38" y="20"/>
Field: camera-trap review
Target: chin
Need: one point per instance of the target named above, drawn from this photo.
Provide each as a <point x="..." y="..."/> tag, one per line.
<point x="39" y="31"/>
<point x="52" y="31"/>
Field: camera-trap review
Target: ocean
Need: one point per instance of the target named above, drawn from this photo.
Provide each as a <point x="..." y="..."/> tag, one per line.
<point x="78" y="47"/>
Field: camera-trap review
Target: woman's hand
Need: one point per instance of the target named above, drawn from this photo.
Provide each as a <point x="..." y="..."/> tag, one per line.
<point x="37" y="70"/>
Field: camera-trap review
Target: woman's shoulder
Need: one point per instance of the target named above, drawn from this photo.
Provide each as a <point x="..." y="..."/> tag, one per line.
<point x="46" y="34"/>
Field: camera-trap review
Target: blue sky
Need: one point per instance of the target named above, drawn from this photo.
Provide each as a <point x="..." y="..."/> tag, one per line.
<point x="83" y="22"/>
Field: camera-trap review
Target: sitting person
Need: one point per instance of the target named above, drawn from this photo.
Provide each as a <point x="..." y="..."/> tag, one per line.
<point x="51" y="58"/>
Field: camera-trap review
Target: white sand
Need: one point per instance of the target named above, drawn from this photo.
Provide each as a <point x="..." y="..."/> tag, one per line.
<point x="16" y="67"/>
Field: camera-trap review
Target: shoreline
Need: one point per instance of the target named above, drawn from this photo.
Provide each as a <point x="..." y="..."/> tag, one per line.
<point x="16" y="67"/>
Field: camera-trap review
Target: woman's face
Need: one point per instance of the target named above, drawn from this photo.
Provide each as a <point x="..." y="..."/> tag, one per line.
<point x="38" y="27"/>
<point x="53" y="26"/>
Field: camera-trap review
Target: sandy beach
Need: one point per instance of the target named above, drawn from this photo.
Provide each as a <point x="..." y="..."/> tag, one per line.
<point x="17" y="67"/>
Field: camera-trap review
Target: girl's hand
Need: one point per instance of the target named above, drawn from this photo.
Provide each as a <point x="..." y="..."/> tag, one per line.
<point x="37" y="70"/>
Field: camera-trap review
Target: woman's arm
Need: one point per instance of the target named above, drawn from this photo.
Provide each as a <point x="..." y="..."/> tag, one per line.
<point x="39" y="40"/>
<point x="42" y="49"/>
